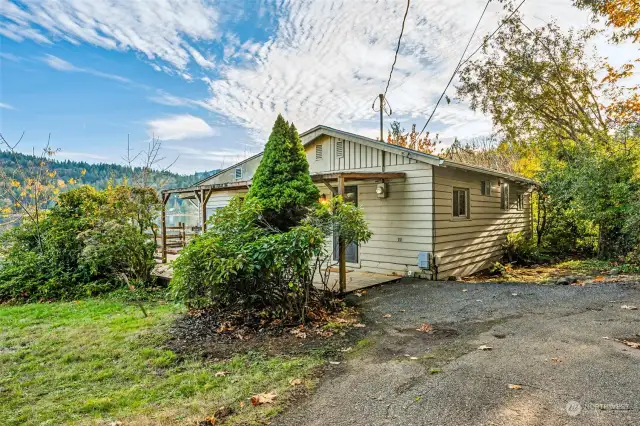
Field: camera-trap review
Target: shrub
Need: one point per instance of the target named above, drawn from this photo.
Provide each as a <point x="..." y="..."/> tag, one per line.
<point x="497" y="269"/>
<point x="521" y="249"/>
<point x="239" y="262"/>
<point x="282" y="183"/>
<point x="90" y="242"/>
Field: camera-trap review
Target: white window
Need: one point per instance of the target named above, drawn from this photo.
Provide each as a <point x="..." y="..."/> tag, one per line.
<point x="238" y="173"/>
<point x="504" y="196"/>
<point x="340" y="149"/>
<point x="520" y="202"/>
<point x="485" y="187"/>
<point x="319" y="152"/>
<point x="460" y="203"/>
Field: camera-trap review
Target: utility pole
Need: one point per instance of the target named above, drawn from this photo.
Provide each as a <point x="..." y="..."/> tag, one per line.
<point x="381" y="117"/>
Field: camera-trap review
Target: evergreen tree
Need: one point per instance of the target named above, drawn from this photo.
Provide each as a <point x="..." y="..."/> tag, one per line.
<point x="282" y="184"/>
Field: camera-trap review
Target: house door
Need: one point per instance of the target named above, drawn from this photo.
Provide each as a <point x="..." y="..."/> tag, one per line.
<point x="350" y="196"/>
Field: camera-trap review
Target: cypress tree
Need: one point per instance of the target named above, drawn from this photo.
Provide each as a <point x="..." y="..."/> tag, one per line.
<point x="282" y="184"/>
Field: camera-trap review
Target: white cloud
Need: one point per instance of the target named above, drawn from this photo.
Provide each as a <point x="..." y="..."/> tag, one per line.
<point x="62" y="65"/>
<point x="179" y="127"/>
<point x="6" y="106"/>
<point x="164" y="98"/>
<point x="59" y="64"/>
<point x="159" y="29"/>
<point x="324" y="63"/>
<point x="329" y="59"/>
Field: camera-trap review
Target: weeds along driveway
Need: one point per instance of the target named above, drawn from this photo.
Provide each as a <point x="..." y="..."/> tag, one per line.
<point x="556" y="343"/>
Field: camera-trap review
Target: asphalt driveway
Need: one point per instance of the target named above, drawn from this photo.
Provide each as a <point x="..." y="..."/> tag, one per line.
<point x="560" y="345"/>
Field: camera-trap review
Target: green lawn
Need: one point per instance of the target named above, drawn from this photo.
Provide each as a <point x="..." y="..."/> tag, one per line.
<point x="97" y="361"/>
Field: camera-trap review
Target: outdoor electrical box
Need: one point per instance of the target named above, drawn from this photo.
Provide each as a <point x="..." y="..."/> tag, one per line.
<point x="381" y="190"/>
<point x="424" y="260"/>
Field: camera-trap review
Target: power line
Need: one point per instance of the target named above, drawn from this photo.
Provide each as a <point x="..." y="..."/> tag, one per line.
<point x="395" y="58"/>
<point x="463" y="62"/>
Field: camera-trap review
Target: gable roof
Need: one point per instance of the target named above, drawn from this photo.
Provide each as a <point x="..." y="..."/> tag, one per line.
<point x="321" y="130"/>
<point x="309" y="136"/>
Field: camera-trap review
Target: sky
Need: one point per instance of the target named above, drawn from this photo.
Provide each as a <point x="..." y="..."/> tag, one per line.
<point x="208" y="78"/>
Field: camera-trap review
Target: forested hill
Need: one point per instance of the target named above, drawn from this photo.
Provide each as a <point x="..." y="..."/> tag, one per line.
<point x="97" y="175"/>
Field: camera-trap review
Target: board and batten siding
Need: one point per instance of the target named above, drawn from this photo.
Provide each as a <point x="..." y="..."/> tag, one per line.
<point x="466" y="245"/>
<point x="355" y="156"/>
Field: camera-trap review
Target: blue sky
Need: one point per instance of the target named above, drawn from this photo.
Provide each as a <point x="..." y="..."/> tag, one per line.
<point x="209" y="77"/>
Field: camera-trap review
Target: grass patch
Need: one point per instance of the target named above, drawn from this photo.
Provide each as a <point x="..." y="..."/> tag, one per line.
<point x="100" y="360"/>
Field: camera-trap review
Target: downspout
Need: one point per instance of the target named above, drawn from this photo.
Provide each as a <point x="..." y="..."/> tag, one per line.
<point x="434" y="275"/>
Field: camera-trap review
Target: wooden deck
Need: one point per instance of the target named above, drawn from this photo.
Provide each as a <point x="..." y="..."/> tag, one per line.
<point x="356" y="280"/>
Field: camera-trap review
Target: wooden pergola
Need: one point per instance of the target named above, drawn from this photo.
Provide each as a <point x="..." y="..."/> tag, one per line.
<point x="203" y="192"/>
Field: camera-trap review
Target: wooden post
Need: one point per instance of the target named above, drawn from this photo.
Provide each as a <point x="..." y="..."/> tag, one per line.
<point x="205" y="199"/>
<point x="165" y="198"/>
<point x="203" y="208"/>
<point x="342" y="249"/>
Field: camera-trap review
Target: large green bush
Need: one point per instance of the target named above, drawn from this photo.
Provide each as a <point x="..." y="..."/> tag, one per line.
<point x="90" y="242"/>
<point x="241" y="263"/>
<point x="281" y="183"/>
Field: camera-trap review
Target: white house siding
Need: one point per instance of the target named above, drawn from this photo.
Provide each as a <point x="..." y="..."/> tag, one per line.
<point x="356" y="157"/>
<point x="248" y="168"/>
<point x="220" y="199"/>
<point x="464" y="246"/>
<point x="401" y="222"/>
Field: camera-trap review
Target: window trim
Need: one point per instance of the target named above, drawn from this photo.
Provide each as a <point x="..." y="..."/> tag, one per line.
<point x="505" y="197"/>
<point x="467" y="214"/>
<point x="520" y="201"/>
<point x="485" y="188"/>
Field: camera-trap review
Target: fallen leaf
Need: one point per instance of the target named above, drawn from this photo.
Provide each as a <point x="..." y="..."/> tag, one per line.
<point x="510" y="386"/>
<point x="556" y="359"/>
<point x="434" y="371"/>
<point x="359" y="325"/>
<point x="386" y="316"/>
<point x="334" y="362"/>
<point x="241" y="404"/>
<point x="221" y="373"/>
<point x="599" y="278"/>
<point x="295" y="382"/>
<point x="263" y="398"/>
<point x="484" y="348"/>
<point x="402" y="310"/>
<point x="605" y="338"/>
<point x="479" y="300"/>
<point x="346" y="349"/>
<point x="629" y="307"/>
<point x="514" y="294"/>
<point x="425" y="328"/>
<point x="299" y="333"/>
<point x="631" y="344"/>
<point x="414" y="358"/>
<point x="464" y="290"/>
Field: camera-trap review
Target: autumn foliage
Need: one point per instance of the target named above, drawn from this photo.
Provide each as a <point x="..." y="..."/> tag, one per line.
<point x="412" y="140"/>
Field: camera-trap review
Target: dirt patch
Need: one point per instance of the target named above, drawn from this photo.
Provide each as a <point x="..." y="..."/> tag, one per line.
<point x="218" y="335"/>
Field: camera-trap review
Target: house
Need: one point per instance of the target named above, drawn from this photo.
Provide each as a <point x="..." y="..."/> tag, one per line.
<point x="430" y="217"/>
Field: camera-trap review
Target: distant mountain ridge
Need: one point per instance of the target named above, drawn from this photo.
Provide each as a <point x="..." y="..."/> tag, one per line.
<point x="99" y="175"/>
